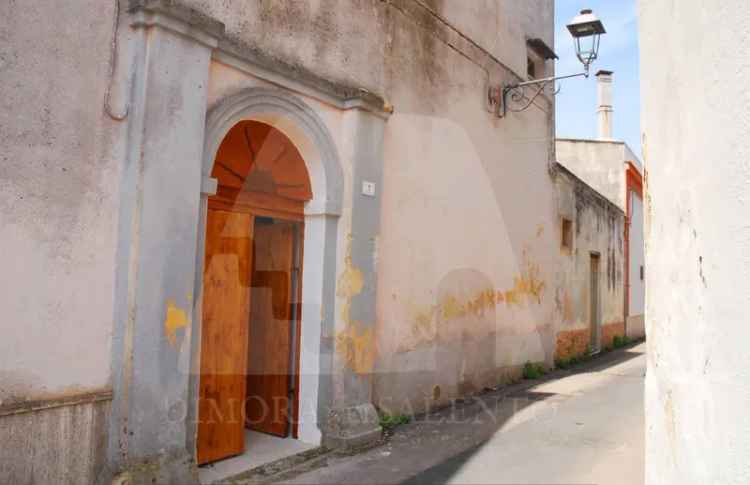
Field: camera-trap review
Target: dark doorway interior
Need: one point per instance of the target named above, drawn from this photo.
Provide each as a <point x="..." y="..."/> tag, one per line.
<point x="271" y="363"/>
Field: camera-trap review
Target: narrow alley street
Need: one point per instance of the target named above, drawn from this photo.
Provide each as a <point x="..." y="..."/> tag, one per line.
<point x="579" y="427"/>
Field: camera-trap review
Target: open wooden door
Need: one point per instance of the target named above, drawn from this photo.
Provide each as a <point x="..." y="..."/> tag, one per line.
<point x="269" y="363"/>
<point x="250" y="328"/>
<point x="226" y="307"/>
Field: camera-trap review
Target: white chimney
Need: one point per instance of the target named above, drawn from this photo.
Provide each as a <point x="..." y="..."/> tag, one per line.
<point x="604" y="110"/>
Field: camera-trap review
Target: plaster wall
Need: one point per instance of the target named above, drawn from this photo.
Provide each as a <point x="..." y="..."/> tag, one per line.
<point x="633" y="158"/>
<point x="635" y="325"/>
<point x="599" y="163"/>
<point x="356" y="42"/>
<point x="637" y="294"/>
<point x="464" y="260"/>
<point x="64" y="444"/>
<point x="465" y="270"/>
<point x="453" y="181"/>
<point x="597" y="229"/>
<point x="501" y="26"/>
<point x="695" y="122"/>
<point x="466" y="278"/>
<point x="58" y="199"/>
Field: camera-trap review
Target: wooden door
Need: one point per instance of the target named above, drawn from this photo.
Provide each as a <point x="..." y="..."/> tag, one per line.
<point x="594" y="310"/>
<point x="269" y="362"/>
<point x="226" y="307"/>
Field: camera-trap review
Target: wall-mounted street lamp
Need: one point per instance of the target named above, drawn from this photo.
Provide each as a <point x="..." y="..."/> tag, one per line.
<point x="586" y="30"/>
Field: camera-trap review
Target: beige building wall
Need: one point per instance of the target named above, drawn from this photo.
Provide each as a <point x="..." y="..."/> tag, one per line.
<point x="468" y="271"/>
<point x="602" y="164"/>
<point x="458" y="221"/>
<point x="599" y="163"/>
<point x="595" y="233"/>
<point x="59" y="198"/>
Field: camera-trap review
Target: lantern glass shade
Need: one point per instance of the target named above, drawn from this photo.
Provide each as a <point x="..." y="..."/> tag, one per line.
<point x="586" y="30"/>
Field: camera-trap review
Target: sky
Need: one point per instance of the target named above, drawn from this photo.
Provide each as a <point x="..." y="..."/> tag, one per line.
<point x="576" y="101"/>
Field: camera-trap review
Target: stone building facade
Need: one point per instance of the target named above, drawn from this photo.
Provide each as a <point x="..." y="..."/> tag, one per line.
<point x="160" y="155"/>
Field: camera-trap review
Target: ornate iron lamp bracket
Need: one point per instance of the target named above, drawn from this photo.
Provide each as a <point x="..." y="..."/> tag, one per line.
<point x="500" y="97"/>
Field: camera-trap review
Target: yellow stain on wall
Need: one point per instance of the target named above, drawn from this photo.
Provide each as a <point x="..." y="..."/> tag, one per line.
<point x="423" y="323"/>
<point x="349" y="285"/>
<point x="528" y="286"/>
<point x="351" y="280"/>
<point x="176" y="318"/>
<point x="355" y="343"/>
<point x="529" y="283"/>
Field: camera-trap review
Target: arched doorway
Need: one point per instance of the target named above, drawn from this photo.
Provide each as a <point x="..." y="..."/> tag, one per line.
<point x="251" y="311"/>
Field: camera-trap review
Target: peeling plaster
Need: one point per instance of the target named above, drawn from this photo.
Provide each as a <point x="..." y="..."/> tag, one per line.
<point x="175" y="319"/>
<point x="355" y="343"/>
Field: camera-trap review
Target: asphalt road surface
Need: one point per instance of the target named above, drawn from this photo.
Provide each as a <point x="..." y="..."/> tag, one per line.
<point x="580" y="427"/>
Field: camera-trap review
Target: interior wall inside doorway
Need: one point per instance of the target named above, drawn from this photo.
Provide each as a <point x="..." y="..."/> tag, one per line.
<point x="272" y="352"/>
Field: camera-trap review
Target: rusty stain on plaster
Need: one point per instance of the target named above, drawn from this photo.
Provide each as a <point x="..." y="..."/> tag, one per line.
<point x="540" y="230"/>
<point x="176" y="318"/>
<point x="355" y="343"/>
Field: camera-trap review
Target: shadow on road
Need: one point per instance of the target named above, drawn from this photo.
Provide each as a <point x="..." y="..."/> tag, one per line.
<point x="490" y="413"/>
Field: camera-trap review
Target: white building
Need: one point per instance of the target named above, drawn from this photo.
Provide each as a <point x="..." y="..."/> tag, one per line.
<point x="695" y="89"/>
<point x="611" y="167"/>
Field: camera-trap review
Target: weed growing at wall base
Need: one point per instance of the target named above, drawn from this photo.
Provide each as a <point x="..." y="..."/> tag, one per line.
<point x="621" y="341"/>
<point x="388" y="422"/>
<point x="618" y="341"/>
<point x="533" y="370"/>
<point x="564" y="363"/>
